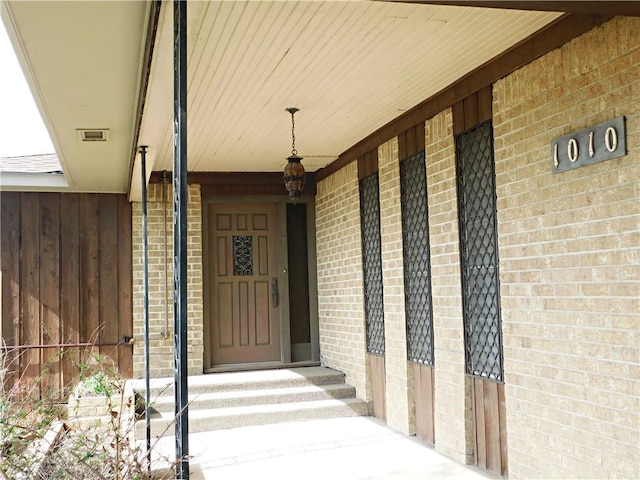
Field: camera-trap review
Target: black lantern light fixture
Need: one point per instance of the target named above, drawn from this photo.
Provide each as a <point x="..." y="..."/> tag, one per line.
<point x="294" y="174"/>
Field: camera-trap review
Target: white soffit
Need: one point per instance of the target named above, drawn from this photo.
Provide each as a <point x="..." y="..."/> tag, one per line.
<point x="82" y="61"/>
<point x="351" y="67"/>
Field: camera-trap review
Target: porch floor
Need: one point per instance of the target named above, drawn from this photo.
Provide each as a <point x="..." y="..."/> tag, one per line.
<point x="338" y="448"/>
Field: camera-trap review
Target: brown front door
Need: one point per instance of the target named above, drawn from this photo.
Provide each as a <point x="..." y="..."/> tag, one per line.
<point x="244" y="304"/>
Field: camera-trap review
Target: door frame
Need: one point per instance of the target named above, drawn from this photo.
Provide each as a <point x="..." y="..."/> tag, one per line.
<point x="283" y="282"/>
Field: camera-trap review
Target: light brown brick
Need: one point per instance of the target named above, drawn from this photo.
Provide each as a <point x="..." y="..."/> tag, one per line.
<point x="159" y="218"/>
<point x="569" y="338"/>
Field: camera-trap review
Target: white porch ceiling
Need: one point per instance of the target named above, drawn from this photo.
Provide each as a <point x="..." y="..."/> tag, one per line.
<point x="349" y="66"/>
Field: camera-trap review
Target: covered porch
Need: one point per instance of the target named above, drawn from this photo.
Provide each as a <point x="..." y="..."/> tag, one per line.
<point x="371" y="270"/>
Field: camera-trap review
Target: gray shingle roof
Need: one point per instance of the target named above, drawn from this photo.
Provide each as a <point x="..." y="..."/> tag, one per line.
<point x="42" y="163"/>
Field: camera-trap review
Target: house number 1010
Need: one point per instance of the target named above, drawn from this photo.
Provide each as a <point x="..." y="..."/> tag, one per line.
<point x="591" y="145"/>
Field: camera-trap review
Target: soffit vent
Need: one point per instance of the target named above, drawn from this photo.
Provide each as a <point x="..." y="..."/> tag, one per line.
<point x="93" y="135"/>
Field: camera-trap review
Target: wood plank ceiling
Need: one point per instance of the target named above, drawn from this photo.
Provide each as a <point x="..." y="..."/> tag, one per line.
<point x="350" y="67"/>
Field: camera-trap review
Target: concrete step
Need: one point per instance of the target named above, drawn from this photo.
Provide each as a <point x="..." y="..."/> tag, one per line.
<point x="205" y="420"/>
<point x="234" y="381"/>
<point x="236" y="399"/>
<point x="267" y="396"/>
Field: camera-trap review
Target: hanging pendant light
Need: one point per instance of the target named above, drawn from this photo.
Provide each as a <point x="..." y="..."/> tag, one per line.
<point x="294" y="174"/>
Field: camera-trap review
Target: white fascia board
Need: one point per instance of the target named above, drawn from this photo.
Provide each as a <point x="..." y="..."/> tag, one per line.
<point x="31" y="181"/>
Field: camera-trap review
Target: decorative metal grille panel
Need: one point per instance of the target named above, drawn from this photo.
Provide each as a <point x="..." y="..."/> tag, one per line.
<point x="417" y="268"/>
<point x="479" y="247"/>
<point x="242" y="255"/>
<point x="372" y="263"/>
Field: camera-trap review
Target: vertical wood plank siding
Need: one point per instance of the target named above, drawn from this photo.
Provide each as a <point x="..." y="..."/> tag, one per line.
<point x="49" y="280"/>
<point x="368" y="164"/>
<point x="378" y="385"/>
<point x="472" y="111"/>
<point x="66" y="278"/>
<point x="423" y="397"/>
<point x="490" y="425"/>
<point x="10" y="235"/>
<point x="411" y="141"/>
<point x="70" y="279"/>
<point x="125" y="285"/>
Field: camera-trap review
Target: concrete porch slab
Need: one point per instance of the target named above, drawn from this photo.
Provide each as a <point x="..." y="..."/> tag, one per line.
<point x="341" y="448"/>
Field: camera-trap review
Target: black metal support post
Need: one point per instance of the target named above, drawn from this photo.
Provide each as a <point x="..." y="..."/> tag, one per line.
<point x="180" y="236"/>
<point x="145" y="288"/>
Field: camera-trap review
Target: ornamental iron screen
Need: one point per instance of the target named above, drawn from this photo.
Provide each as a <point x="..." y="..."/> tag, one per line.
<point x="479" y="252"/>
<point x="417" y="268"/>
<point x="242" y="255"/>
<point x="372" y="263"/>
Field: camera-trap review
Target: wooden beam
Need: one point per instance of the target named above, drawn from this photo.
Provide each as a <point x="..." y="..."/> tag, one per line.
<point x="543" y="41"/>
<point x="239" y="183"/>
<point x="622" y="8"/>
<point x="149" y="44"/>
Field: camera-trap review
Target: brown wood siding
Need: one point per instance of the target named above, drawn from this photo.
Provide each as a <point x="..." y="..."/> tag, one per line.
<point x="472" y="111"/>
<point x="423" y="397"/>
<point x="125" y="285"/>
<point x="49" y="278"/>
<point x="490" y="425"/>
<point x="10" y="235"/>
<point x="70" y="281"/>
<point x="411" y="141"/>
<point x="368" y="164"/>
<point x="245" y="183"/>
<point x="378" y="386"/>
<point x="66" y="279"/>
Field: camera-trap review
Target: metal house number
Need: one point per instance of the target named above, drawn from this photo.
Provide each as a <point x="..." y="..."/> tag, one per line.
<point x="591" y="145"/>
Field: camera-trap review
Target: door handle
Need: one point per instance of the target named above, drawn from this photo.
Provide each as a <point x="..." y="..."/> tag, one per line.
<point x="275" y="294"/>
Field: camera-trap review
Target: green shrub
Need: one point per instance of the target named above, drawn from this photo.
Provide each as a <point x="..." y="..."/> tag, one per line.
<point x="98" y="384"/>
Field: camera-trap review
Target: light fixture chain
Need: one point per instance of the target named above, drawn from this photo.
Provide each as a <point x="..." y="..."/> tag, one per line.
<point x="294" y="174"/>
<point x="293" y="135"/>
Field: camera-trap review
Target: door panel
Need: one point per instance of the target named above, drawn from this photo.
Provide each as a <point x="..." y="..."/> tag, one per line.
<point x="243" y="307"/>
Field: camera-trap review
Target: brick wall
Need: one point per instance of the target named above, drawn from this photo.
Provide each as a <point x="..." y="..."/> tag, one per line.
<point x="569" y="253"/>
<point x="569" y="249"/>
<point x="399" y="379"/>
<point x="452" y="397"/>
<point x="160" y="230"/>
<point x="340" y="288"/>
